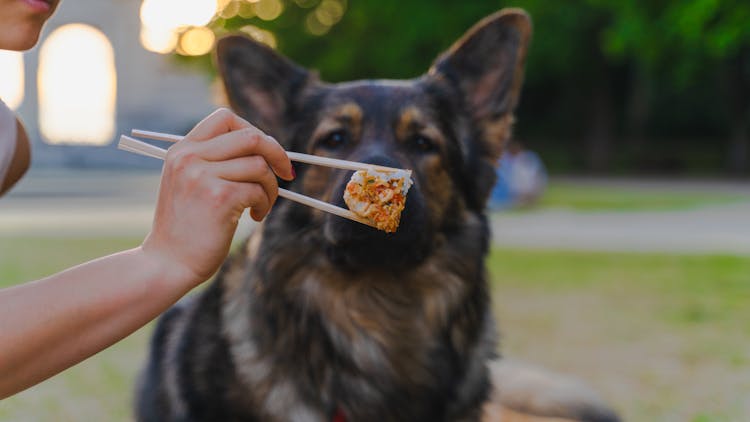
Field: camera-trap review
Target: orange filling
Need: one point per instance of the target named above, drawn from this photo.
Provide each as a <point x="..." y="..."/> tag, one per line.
<point x="377" y="199"/>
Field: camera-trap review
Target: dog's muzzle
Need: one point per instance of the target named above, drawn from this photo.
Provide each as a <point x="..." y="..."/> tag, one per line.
<point x="359" y="246"/>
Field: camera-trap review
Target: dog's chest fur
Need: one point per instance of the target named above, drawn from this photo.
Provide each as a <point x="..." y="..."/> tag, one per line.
<point x="312" y="339"/>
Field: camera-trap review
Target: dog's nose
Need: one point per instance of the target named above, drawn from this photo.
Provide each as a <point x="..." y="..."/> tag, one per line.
<point x="380" y="160"/>
<point x="377" y="153"/>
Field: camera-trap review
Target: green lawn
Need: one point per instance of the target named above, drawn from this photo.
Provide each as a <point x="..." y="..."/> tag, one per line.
<point x="580" y="197"/>
<point x="662" y="337"/>
<point x="98" y="389"/>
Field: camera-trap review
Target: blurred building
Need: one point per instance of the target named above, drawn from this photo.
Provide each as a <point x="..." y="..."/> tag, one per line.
<point x="90" y="79"/>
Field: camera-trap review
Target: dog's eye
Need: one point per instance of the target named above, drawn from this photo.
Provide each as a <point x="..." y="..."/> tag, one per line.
<point x="334" y="139"/>
<point x="422" y="143"/>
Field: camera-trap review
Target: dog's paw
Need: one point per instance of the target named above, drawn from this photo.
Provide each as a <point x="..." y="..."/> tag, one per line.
<point x="522" y="393"/>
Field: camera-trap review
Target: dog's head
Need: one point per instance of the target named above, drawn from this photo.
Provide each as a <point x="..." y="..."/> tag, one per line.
<point x="448" y="126"/>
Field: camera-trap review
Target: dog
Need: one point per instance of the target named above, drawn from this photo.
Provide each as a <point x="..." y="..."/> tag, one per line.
<point x="318" y="318"/>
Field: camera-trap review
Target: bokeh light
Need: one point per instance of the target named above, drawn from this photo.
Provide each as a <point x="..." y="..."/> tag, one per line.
<point x="160" y="40"/>
<point x="268" y="10"/>
<point x="162" y="20"/>
<point x="173" y="25"/>
<point x="314" y="26"/>
<point x="77" y="86"/>
<point x="177" y="13"/>
<point x="246" y="9"/>
<point x="328" y="13"/>
<point x="196" y="41"/>
<point x="230" y="9"/>
<point x="12" y="81"/>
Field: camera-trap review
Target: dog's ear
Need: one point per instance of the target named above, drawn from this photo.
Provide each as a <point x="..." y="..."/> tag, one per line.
<point x="485" y="66"/>
<point x="485" y="69"/>
<point x="261" y="85"/>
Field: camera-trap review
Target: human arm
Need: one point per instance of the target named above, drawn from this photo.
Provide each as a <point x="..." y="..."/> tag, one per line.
<point x="209" y="178"/>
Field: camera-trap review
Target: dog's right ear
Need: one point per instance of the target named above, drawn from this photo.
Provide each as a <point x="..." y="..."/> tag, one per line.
<point x="261" y="85"/>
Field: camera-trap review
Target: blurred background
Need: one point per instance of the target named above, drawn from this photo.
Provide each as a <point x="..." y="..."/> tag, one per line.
<point x="621" y="222"/>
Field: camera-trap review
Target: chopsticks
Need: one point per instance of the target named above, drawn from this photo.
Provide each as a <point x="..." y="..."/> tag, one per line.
<point x="139" y="147"/>
<point x="294" y="156"/>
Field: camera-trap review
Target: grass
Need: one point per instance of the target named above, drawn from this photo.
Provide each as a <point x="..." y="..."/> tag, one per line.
<point x="96" y="390"/>
<point x="662" y="337"/>
<point x="23" y="259"/>
<point x="579" y="197"/>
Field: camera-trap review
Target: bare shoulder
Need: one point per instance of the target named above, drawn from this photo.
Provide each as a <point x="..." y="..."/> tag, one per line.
<point x="20" y="161"/>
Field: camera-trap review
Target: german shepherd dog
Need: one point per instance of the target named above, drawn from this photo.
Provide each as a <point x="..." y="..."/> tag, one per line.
<point x="318" y="318"/>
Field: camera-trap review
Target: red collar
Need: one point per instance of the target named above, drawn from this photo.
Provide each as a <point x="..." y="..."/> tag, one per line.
<point x="339" y="416"/>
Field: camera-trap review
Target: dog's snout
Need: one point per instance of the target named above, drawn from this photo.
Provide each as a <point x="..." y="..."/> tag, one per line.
<point x="356" y="245"/>
<point x="381" y="160"/>
<point x="379" y="153"/>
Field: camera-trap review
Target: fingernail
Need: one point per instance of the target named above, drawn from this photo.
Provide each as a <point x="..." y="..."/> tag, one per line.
<point x="294" y="173"/>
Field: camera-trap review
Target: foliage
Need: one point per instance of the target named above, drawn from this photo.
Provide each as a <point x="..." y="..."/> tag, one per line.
<point x="663" y="65"/>
<point x="387" y="39"/>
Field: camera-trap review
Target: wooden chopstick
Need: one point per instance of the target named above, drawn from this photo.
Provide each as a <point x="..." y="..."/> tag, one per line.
<point x="294" y="156"/>
<point x="134" y="145"/>
<point x="158" y="136"/>
<point x="139" y="147"/>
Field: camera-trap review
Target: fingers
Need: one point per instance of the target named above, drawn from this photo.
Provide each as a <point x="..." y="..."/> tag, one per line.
<point x="206" y="185"/>
<point x="232" y="186"/>
<point x="219" y="122"/>
<point x="253" y="196"/>
<point x="250" y="169"/>
<point x="237" y="156"/>
<point x="244" y="142"/>
<point x="228" y="136"/>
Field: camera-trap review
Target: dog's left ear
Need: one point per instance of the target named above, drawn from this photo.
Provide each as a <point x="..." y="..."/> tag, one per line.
<point x="261" y="85"/>
<point x="485" y="66"/>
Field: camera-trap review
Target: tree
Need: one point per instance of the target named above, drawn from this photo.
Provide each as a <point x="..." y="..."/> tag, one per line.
<point x="610" y="83"/>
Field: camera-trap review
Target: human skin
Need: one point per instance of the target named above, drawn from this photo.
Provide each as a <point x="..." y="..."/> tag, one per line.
<point x="21" y="22"/>
<point x="20" y="162"/>
<point x="223" y="166"/>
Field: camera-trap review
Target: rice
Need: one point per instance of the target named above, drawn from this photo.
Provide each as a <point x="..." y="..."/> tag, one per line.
<point x="378" y="196"/>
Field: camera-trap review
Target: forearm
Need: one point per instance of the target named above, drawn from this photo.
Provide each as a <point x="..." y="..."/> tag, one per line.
<point x="209" y="179"/>
<point x="51" y="324"/>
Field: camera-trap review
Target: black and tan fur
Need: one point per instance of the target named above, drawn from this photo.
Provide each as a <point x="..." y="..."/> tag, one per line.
<point x="316" y="314"/>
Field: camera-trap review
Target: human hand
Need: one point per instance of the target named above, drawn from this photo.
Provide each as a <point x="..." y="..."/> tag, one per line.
<point x="223" y="166"/>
